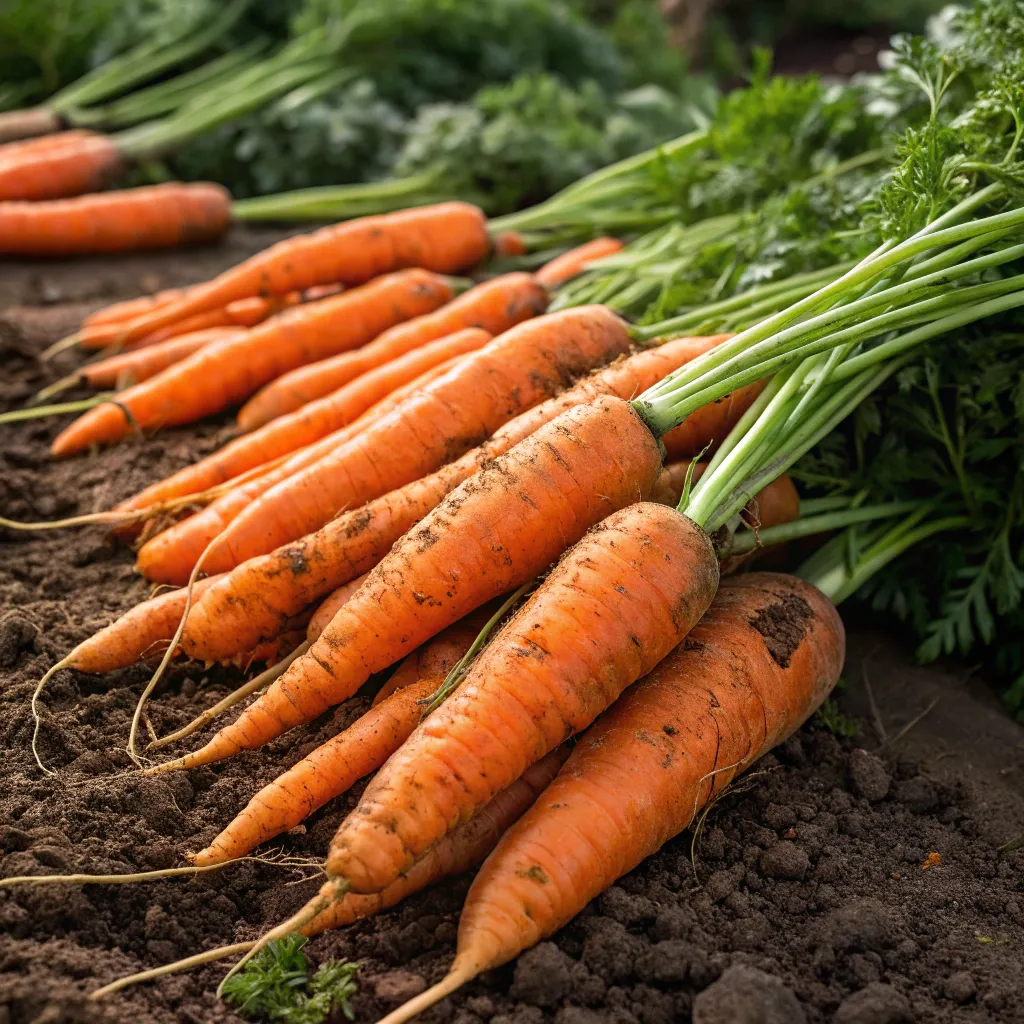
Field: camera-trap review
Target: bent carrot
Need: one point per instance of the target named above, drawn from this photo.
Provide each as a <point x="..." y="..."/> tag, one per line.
<point x="261" y="593"/>
<point x="452" y="414"/>
<point x="170" y="556"/>
<point x="496" y="306"/>
<point x="572" y="263"/>
<point x="65" y="164"/>
<point x="446" y="238"/>
<point x="491" y="534"/>
<point x="151" y="217"/>
<point x="211" y="380"/>
<point x="336" y="765"/>
<point x="642" y="773"/>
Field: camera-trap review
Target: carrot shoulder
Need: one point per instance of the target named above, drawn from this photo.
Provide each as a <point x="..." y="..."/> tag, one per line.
<point x="214" y="379"/>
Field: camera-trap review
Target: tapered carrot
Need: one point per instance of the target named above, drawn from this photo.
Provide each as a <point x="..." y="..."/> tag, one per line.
<point x="261" y="593"/>
<point x="458" y="852"/>
<point x="128" y="309"/>
<point x="336" y="765"/>
<point x="289" y="433"/>
<point x="446" y="238"/>
<point x="493" y="533"/>
<point x="141" y="364"/>
<point x="214" y="379"/>
<point x="761" y="660"/>
<point x="151" y="217"/>
<point x="495" y="306"/>
<point x="60" y="165"/>
<point x="572" y="263"/>
<point x="170" y="556"/>
<point x="441" y="421"/>
<point x="613" y="607"/>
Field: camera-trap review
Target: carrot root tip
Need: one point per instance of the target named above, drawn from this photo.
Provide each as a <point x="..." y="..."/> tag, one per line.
<point x="61" y="346"/>
<point x="37" y="720"/>
<point x="454" y="980"/>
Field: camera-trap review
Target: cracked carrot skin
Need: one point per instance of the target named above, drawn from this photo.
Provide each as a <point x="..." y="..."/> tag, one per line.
<point x="496" y="531"/>
<point x="673" y="742"/>
<point x="517" y="370"/>
<point x="457" y="853"/>
<point x="495" y="306"/>
<point x="261" y="593"/>
<point x="446" y="238"/>
<point x="613" y="607"/>
<point x="214" y="379"/>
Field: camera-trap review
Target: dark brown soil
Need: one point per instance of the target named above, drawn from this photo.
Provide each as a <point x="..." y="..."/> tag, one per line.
<point x="805" y="897"/>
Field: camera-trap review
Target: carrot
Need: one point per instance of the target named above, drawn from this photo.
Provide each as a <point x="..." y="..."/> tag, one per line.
<point x="128" y="309"/>
<point x="710" y="423"/>
<point x="491" y="534"/>
<point x="170" y="556"/>
<point x="509" y="243"/>
<point x="762" y="659"/>
<point x="572" y="263"/>
<point x="262" y="592"/>
<point x="152" y="217"/>
<point x="445" y="238"/>
<point x="141" y="364"/>
<point x="336" y="765"/>
<point x="484" y="390"/>
<point x="496" y="306"/>
<point x="56" y="166"/>
<point x="613" y="607"/>
<point x="458" y="852"/>
<point x="211" y="380"/>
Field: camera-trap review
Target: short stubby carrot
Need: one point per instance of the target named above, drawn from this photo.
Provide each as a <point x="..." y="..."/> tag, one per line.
<point x="495" y="306"/>
<point x="214" y="379"/>
<point x="66" y="164"/>
<point x="765" y="655"/>
<point x="151" y="217"/>
<point x="613" y="607"/>
<point x="446" y="238"/>
<point x="170" y="556"/>
<point x="711" y="423"/>
<point x="494" y="532"/>
<point x="457" y="853"/>
<point x="263" y="592"/>
<point x="572" y="263"/>
<point x="484" y="390"/>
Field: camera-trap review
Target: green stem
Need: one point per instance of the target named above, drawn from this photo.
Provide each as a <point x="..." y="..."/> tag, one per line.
<point x="37" y="412"/>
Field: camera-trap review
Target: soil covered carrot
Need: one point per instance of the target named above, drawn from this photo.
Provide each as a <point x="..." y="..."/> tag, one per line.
<point x="151" y="217"/>
<point x="493" y="533"/>
<point x="572" y="263"/>
<point x="446" y="238"/>
<point x="495" y="306"/>
<point x="765" y="655"/>
<point x="289" y="578"/>
<point x="484" y="390"/>
<point x="66" y="164"/>
<point x="214" y="379"/>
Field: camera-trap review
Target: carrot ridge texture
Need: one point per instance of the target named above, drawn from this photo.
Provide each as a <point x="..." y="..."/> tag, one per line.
<point x="211" y="380"/>
<point x="491" y="534"/>
<point x="710" y="709"/>
<point x="495" y="306"/>
<point x="446" y="238"/>
<point x="260" y="593"/>
<point x="151" y="217"/>
<point x="613" y="607"/>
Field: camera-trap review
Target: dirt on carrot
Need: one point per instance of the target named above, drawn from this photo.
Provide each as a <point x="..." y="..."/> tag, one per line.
<point x="863" y="926"/>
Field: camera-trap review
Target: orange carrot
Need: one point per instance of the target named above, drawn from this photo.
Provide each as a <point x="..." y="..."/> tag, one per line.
<point x="493" y="533"/>
<point x="333" y="767"/>
<point x="484" y="390"/>
<point x="509" y="243"/>
<point x="260" y="594"/>
<point x="572" y="263"/>
<point x="170" y="556"/>
<point x="128" y="309"/>
<point x="711" y="423"/>
<point x="330" y="607"/>
<point x="741" y="684"/>
<point x="458" y="852"/>
<point x="445" y="238"/>
<point x="216" y="378"/>
<point x="152" y="217"/>
<point x="66" y="164"/>
<point x="495" y="306"/>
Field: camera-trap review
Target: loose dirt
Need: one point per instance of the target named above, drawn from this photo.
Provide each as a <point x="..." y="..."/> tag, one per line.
<point x="811" y="893"/>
